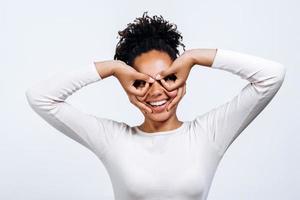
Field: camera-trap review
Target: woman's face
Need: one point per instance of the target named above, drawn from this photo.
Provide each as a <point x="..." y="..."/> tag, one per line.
<point x="151" y="63"/>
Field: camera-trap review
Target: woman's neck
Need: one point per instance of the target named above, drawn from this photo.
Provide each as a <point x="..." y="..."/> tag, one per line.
<point x="151" y="126"/>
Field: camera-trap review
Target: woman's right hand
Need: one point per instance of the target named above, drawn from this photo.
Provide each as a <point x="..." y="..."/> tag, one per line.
<point x="134" y="83"/>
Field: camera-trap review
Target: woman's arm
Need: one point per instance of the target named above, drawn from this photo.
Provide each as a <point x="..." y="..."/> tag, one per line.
<point x="204" y="57"/>
<point x="48" y="99"/>
<point x="225" y="122"/>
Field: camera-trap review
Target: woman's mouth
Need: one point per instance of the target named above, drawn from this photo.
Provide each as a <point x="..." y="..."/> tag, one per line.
<point x="159" y="106"/>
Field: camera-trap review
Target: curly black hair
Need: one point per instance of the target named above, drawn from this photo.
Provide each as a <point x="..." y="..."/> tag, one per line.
<point x="147" y="34"/>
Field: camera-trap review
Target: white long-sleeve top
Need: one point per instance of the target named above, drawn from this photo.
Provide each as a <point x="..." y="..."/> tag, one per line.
<point x="169" y="165"/>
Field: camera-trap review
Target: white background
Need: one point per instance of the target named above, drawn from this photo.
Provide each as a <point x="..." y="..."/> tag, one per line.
<point x="40" y="38"/>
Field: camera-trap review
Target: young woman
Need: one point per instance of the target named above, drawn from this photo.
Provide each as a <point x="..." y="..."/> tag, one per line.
<point x="164" y="157"/>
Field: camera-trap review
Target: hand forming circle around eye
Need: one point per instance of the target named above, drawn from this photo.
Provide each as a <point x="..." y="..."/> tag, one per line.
<point x="168" y="79"/>
<point x="127" y="75"/>
<point x="181" y="68"/>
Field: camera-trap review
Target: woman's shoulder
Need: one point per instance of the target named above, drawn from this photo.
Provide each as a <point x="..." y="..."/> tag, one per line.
<point x="111" y="123"/>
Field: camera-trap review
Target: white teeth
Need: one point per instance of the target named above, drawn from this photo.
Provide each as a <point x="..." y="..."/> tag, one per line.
<point x="158" y="103"/>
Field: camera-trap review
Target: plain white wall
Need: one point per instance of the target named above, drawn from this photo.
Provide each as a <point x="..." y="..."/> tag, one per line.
<point x="39" y="38"/>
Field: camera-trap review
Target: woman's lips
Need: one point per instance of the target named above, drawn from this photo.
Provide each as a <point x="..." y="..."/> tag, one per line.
<point x="161" y="108"/>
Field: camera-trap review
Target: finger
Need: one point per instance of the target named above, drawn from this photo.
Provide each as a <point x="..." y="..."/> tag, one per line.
<point x="165" y="73"/>
<point x="135" y="101"/>
<point x="144" y="89"/>
<point x="173" y="85"/>
<point x="139" y="92"/>
<point x="141" y="105"/>
<point x="176" y="99"/>
<point x="142" y="98"/>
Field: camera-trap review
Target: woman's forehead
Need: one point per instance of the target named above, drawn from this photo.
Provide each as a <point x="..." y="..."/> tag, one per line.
<point x="152" y="62"/>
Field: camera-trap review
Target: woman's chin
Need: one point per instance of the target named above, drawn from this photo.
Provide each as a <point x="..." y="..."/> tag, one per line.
<point x="163" y="116"/>
<point x="160" y="116"/>
<point x="160" y="113"/>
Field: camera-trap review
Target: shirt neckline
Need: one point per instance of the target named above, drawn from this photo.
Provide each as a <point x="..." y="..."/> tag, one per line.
<point x="173" y="131"/>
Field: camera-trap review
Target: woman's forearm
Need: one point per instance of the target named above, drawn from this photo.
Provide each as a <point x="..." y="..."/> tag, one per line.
<point x="106" y="68"/>
<point x="203" y="57"/>
<point x="253" y="68"/>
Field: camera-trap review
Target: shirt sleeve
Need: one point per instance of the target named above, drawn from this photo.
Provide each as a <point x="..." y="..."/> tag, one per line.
<point x="48" y="99"/>
<point x="224" y="123"/>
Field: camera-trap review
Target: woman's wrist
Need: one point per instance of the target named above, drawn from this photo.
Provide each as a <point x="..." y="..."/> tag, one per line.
<point x="107" y="68"/>
<point x="204" y="57"/>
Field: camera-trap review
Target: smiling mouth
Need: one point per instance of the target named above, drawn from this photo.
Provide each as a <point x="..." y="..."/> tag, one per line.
<point x="158" y="103"/>
<point x="159" y="106"/>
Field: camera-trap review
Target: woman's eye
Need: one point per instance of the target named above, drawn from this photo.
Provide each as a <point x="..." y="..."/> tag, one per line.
<point x="171" y="77"/>
<point x="139" y="83"/>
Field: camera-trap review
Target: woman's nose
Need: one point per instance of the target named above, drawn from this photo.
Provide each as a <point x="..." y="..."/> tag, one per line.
<point x="155" y="89"/>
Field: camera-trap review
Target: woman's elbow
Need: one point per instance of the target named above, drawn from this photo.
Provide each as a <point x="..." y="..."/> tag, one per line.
<point x="278" y="71"/>
<point x="281" y="71"/>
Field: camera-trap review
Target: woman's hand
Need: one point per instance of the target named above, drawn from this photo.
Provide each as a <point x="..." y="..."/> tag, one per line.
<point x="180" y="93"/>
<point x="128" y="77"/>
<point x="181" y="68"/>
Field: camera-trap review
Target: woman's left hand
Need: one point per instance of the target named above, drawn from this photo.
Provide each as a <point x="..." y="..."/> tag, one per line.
<point x="180" y="93"/>
<point x="181" y="68"/>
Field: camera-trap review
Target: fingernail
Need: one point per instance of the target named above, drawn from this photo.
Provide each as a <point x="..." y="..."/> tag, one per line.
<point x="151" y="80"/>
<point x="157" y="77"/>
